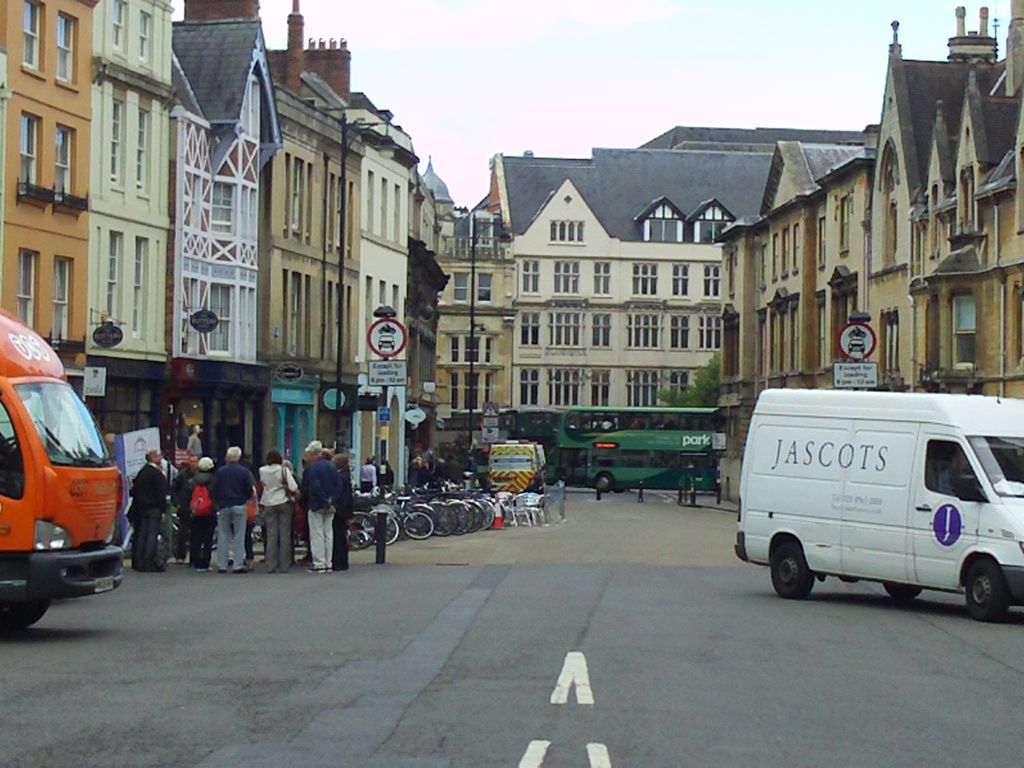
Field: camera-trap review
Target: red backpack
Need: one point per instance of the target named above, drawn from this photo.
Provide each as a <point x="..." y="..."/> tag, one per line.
<point x="202" y="502"/>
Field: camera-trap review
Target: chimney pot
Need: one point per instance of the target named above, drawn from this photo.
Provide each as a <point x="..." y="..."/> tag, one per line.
<point x="334" y="44"/>
<point x="983" y="22"/>
<point x="323" y="44"/>
<point x="961" y="21"/>
<point x="312" y="42"/>
<point x="1017" y="9"/>
<point x="295" y="6"/>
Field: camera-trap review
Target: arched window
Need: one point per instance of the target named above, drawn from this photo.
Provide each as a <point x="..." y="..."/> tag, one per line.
<point x="890" y="229"/>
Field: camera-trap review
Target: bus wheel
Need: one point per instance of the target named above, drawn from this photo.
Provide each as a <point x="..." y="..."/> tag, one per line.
<point x="604" y="482"/>
<point x="15" y="616"/>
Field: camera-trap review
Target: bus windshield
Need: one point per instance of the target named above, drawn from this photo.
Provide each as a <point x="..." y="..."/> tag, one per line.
<point x="64" y="425"/>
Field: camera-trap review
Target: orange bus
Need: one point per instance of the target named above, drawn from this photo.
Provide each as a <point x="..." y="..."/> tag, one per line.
<point x="59" y="488"/>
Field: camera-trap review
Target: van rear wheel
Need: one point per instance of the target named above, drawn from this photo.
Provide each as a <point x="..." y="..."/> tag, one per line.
<point x="791" y="577"/>
<point x="987" y="594"/>
<point x="604" y="482"/>
<point x="15" y="616"/>
<point x="901" y="593"/>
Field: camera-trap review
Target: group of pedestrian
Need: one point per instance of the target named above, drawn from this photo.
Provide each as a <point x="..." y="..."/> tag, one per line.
<point x="231" y="499"/>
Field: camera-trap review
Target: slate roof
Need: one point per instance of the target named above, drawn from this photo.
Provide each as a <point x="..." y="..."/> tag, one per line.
<point x="182" y="89"/>
<point x="216" y="57"/>
<point x="920" y="85"/>
<point x="617" y="183"/>
<point x="756" y="139"/>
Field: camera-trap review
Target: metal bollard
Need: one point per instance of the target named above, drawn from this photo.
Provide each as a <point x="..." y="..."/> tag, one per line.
<point x="718" y="492"/>
<point x="693" y="494"/>
<point x="680" y="500"/>
<point x="561" y="499"/>
<point x="598" y="489"/>
<point x="640" y="493"/>
<point x="380" y="535"/>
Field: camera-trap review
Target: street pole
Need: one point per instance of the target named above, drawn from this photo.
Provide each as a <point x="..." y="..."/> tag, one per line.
<point x="472" y="330"/>
<point x="341" y="278"/>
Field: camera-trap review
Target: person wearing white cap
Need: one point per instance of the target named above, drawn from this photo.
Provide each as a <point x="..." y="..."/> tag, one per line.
<point x="204" y="521"/>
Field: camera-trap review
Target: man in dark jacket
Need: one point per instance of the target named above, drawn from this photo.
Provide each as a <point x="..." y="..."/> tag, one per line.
<point x="324" y="487"/>
<point x="232" y="489"/>
<point x="181" y="491"/>
<point x="149" y="502"/>
<point x="343" y="513"/>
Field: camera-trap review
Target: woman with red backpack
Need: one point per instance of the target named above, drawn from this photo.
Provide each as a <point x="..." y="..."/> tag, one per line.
<point x="204" y="521"/>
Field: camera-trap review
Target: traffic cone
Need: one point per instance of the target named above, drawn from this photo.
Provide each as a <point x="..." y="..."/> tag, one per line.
<point x="499" y="519"/>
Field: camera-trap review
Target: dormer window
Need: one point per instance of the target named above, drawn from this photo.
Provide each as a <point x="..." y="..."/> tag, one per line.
<point x="710" y="223"/>
<point x="663" y="225"/>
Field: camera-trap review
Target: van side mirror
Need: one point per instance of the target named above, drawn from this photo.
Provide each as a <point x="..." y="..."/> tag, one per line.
<point x="968" y="488"/>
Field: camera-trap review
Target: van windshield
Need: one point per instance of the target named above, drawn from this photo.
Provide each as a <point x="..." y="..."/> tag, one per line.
<point x="1002" y="458"/>
<point x="65" y="426"/>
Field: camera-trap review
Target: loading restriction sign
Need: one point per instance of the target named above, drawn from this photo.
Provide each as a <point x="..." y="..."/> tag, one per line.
<point x="856" y="341"/>
<point x="387" y="337"/>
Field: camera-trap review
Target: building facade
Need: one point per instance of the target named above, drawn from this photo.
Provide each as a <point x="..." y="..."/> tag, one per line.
<point x="46" y="189"/>
<point x="793" y="276"/>
<point x="129" y="208"/>
<point x="224" y="132"/>
<point x="941" y="274"/>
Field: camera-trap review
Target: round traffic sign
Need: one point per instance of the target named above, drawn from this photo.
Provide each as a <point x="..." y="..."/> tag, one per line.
<point x="856" y="341"/>
<point x="387" y="337"/>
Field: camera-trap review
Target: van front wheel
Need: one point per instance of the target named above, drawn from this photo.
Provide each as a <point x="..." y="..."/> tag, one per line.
<point x="987" y="594"/>
<point x="14" y="616"/>
<point x="791" y="577"/>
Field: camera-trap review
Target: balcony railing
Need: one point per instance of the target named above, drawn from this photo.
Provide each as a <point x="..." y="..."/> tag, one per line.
<point x="70" y="202"/>
<point x="34" y="193"/>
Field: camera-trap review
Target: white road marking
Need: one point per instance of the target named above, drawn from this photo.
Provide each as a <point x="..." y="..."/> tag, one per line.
<point x="534" y="757"/>
<point x="598" y="754"/>
<point x="574" y="671"/>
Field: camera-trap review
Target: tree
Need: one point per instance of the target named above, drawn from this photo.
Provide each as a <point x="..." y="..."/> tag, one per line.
<point x="702" y="392"/>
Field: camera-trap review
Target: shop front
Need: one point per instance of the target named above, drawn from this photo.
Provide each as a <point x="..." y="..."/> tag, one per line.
<point x="124" y="394"/>
<point x="293" y="411"/>
<point x="210" y="406"/>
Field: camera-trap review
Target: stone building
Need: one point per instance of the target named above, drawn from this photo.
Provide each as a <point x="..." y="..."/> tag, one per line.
<point x="940" y="276"/>
<point x="129" y="208"/>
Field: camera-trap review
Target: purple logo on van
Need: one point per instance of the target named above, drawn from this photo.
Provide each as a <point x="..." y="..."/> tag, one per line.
<point x="947" y="525"/>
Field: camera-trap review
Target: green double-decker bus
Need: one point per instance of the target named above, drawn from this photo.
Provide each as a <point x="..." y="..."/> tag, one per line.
<point x="614" y="449"/>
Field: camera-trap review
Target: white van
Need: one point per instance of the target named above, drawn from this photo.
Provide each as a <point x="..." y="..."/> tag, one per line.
<point x="916" y="491"/>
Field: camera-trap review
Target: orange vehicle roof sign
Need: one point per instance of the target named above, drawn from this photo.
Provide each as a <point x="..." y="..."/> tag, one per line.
<point x="23" y="352"/>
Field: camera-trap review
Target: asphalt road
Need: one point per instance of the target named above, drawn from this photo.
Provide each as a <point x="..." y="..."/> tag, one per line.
<point x="449" y="656"/>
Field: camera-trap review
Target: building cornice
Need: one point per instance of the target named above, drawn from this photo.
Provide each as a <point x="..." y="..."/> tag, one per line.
<point x="104" y="70"/>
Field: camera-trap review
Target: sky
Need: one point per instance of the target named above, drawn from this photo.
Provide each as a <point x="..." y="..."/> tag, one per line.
<point x="468" y="79"/>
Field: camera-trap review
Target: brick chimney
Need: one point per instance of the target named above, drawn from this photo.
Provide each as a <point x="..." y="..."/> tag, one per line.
<point x="333" y="64"/>
<point x="219" y="10"/>
<point x="294" y="58"/>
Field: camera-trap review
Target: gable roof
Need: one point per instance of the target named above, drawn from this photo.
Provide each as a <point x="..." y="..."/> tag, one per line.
<point x="616" y="183"/>
<point x="753" y="139"/>
<point x="805" y="165"/>
<point x="217" y="58"/>
<point x="919" y="87"/>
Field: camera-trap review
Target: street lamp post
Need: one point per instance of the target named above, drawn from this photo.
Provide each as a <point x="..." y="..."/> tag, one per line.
<point x="472" y="328"/>
<point x="339" y="351"/>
